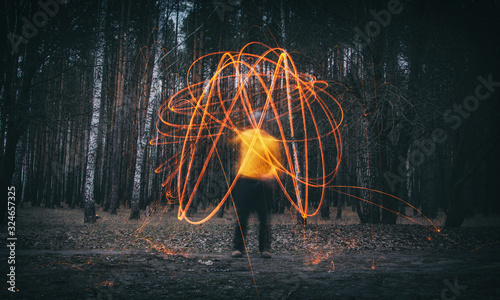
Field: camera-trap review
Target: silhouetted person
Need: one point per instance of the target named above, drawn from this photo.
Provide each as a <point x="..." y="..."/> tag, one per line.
<point x="259" y="154"/>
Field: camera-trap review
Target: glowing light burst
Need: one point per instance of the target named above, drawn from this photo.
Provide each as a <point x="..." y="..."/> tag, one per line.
<point x="200" y="120"/>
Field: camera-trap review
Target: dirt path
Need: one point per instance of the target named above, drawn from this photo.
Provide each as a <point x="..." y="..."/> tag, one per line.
<point x="140" y="275"/>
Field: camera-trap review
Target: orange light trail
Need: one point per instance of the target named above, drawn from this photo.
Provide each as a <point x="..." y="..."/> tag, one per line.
<point x="431" y="227"/>
<point x="200" y="118"/>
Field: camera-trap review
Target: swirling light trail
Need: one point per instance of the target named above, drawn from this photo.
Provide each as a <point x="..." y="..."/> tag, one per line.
<point x="202" y="116"/>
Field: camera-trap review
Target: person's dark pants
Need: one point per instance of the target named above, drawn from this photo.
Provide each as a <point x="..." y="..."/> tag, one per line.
<point x="252" y="195"/>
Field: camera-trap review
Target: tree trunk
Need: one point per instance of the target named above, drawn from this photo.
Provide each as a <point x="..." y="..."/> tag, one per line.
<point x="88" y="198"/>
<point x="117" y="179"/>
<point x="143" y="135"/>
<point x="455" y="215"/>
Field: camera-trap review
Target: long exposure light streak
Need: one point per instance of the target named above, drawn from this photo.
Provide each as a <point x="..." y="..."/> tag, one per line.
<point x="200" y="120"/>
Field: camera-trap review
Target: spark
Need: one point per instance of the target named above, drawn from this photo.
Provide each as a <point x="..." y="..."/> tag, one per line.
<point x="332" y="267"/>
<point x="164" y="250"/>
<point x="63" y="263"/>
<point x="485" y="245"/>
<point x="106" y="283"/>
<point x="317" y="258"/>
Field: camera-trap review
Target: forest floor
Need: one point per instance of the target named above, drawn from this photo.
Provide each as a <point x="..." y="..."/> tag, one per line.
<point x="160" y="257"/>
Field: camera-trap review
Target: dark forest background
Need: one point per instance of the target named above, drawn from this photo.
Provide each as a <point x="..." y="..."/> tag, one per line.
<point x="419" y="81"/>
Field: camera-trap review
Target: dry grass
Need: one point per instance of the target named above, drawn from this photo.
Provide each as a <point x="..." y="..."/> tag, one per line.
<point x="63" y="229"/>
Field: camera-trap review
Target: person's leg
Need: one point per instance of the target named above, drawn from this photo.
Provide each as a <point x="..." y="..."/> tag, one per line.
<point x="263" y="202"/>
<point x="242" y="206"/>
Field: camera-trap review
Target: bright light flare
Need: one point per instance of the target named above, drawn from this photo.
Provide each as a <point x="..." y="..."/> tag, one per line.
<point x="200" y="120"/>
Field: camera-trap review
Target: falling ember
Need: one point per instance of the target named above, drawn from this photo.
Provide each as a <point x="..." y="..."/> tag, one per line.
<point x="106" y="283"/>
<point x="482" y="246"/>
<point x="166" y="251"/>
<point x="200" y="120"/>
<point x="317" y="258"/>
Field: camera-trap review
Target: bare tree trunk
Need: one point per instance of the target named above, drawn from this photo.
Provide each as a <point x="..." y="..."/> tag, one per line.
<point x="301" y="218"/>
<point x="117" y="178"/>
<point x="89" y="208"/>
<point x="143" y="134"/>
